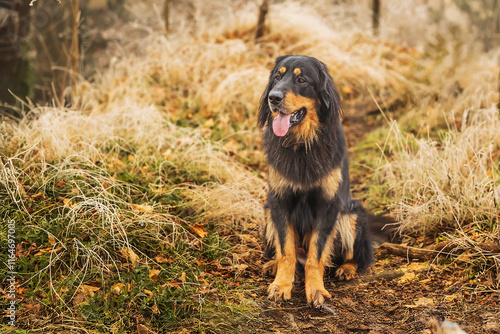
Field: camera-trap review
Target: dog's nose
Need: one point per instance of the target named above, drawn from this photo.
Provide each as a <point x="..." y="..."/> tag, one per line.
<point x="275" y="97"/>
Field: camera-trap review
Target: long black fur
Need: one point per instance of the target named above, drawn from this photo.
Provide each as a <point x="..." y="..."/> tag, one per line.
<point x="305" y="165"/>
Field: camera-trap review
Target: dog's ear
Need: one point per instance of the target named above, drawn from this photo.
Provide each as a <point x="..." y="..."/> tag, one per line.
<point x="328" y="93"/>
<point x="264" y="110"/>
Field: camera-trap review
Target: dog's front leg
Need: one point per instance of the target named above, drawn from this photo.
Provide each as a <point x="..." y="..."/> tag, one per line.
<point x="285" y="242"/>
<point x="318" y="256"/>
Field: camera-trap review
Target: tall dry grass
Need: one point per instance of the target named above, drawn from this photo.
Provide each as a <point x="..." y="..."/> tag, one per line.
<point x="448" y="188"/>
<point x="452" y="181"/>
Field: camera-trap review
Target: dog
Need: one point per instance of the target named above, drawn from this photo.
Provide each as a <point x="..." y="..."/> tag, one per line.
<point x="311" y="219"/>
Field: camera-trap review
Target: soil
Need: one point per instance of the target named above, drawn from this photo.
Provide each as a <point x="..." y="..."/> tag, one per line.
<point x="395" y="296"/>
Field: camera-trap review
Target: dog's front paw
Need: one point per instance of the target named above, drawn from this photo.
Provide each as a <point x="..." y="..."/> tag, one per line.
<point x="316" y="295"/>
<point x="347" y="271"/>
<point x="279" y="291"/>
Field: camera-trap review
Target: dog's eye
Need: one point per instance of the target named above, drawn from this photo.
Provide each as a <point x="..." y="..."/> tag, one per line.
<point x="301" y="80"/>
<point x="277" y="77"/>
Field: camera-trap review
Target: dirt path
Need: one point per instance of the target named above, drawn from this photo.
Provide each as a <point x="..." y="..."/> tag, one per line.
<point x="395" y="296"/>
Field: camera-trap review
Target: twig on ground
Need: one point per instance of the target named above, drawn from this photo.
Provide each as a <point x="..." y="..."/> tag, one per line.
<point x="430" y="252"/>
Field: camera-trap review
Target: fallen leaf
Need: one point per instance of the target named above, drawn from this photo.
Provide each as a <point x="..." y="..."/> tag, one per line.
<point x="32" y="310"/>
<point x="141" y="329"/>
<point x="241" y="267"/>
<point x="68" y="202"/>
<point x="38" y="195"/>
<point x="80" y="298"/>
<point x="149" y="293"/>
<point x="88" y="289"/>
<point x="155" y="309"/>
<point x="43" y="251"/>
<point x="183" y="277"/>
<point x="19" y="250"/>
<point x="175" y="284"/>
<point x="60" y="183"/>
<point x="450" y="298"/>
<point x="52" y="240"/>
<point x="199" y="230"/>
<point x="408" y="277"/>
<point x="161" y="259"/>
<point x="118" y="288"/>
<point x="153" y="274"/>
<point x="416" y="266"/>
<point x="142" y="207"/>
<point x="128" y="253"/>
<point x="422" y="302"/>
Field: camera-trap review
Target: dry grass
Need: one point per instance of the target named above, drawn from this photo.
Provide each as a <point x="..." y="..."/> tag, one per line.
<point x="450" y="181"/>
<point x="449" y="187"/>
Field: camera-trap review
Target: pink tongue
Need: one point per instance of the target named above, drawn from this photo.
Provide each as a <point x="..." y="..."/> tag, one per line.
<point x="281" y="124"/>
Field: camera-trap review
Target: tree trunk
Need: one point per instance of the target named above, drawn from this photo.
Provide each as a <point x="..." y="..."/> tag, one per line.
<point x="261" y="24"/>
<point x="16" y="74"/>
<point x="75" y="49"/>
<point x="376" y="17"/>
<point x="166" y="15"/>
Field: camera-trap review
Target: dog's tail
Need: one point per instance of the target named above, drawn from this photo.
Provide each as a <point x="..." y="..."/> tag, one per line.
<point x="383" y="228"/>
<point x="371" y="231"/>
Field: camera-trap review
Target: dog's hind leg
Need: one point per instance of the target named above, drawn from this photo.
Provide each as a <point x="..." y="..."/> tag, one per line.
<point x="357" y="249"/>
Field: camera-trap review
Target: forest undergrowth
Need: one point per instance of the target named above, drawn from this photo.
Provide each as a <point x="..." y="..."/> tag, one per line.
<point x="140" y="204"/>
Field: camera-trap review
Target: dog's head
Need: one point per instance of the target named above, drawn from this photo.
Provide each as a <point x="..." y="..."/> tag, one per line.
<point x="300" y="99"/>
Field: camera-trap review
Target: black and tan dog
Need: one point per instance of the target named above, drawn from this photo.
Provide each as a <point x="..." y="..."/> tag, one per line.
<point x="311" y="216"/>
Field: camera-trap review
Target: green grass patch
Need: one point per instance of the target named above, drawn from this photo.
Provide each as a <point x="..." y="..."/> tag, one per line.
<point x="111" y="241"/>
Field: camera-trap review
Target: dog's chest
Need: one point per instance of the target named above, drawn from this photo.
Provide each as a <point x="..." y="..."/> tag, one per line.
<point x="327" y="185"/>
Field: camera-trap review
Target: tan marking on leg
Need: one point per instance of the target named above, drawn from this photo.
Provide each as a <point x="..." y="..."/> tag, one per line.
<point x="297" y="71"/>
<point x="269" y="226"/>
<point x="346" y="231"/>
<point x="281" y="288"/>
<point x="282" y="69"/>
<point x="270" y="267"/>
<point x="330" y="184"/>
<point x="346" y="228"/>
<point x="315" y="269"/>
